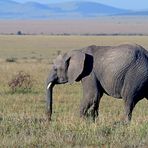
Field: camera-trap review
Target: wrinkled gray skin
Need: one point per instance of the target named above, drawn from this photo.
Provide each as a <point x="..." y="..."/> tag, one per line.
<point x="118" y="71"/>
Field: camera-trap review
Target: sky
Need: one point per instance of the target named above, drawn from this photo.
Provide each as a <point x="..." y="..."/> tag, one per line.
<point x="126" y="4"/>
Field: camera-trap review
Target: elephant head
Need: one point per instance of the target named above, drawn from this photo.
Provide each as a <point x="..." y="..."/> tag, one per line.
<point x="67" y="68"/>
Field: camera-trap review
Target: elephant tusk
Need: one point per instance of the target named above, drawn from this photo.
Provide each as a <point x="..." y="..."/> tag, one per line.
<point x="48" y="86"/>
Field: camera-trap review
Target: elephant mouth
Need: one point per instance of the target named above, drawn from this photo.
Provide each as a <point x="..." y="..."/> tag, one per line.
<point x="61" y="81"/>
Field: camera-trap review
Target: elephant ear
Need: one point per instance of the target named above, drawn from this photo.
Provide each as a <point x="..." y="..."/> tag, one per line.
<point x="76" y="65"/>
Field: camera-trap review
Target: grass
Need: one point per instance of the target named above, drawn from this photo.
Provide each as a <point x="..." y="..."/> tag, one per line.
<point x="23" y="120"/>
<point x="31" y="47"/>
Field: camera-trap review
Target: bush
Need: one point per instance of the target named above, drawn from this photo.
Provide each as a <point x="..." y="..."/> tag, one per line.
<point x="21" y="82"/>
<point x="11" y="59"/>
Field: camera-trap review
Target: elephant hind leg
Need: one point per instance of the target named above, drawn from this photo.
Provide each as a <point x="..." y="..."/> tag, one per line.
<point x="146" y="97"/>
<point x="130" y="103"/>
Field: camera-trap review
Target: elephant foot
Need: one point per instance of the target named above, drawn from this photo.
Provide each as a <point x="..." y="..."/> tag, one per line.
<point x="48" y="116"/>
<point x="91" y="114"/>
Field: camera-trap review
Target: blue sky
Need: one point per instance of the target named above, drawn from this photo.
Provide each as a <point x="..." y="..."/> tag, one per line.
<point x="126" y="4"/>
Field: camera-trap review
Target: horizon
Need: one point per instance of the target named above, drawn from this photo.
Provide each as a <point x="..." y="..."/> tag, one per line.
<point x="126" y="4"/>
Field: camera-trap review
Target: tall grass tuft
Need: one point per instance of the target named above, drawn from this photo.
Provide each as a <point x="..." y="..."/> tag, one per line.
<point x="21" y="82"/>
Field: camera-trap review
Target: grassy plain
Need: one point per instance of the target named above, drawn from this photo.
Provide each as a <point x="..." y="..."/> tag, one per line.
<point x="22" y="116"/>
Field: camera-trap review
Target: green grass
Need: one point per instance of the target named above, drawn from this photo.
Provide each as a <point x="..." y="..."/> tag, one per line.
<point x="23" y="121"/>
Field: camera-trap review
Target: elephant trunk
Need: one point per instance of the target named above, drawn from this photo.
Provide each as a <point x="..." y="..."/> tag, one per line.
<point x="51" y="81"/>
<point x="49" y="100"/>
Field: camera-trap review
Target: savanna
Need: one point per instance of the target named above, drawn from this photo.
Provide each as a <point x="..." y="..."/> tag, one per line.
<point x="23" y="121"/>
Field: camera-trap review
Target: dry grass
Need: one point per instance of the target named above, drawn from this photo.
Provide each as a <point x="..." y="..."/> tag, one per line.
<point x="22" y="116"/>
<point x="45" y="47"/>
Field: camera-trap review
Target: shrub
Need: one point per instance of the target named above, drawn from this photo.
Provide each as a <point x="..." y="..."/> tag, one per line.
<point x="21" y="82"/>
<point x="11" y="59"/>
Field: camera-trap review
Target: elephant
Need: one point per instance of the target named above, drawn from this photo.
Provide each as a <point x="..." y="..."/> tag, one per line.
<point x="119" y="71"/>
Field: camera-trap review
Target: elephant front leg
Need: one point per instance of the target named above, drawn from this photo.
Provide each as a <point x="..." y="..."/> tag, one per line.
<point x="90" y="105"/>
<point x="95" y="107"/>
<point x="91" y="97"/>
<point x="84" y="107"/>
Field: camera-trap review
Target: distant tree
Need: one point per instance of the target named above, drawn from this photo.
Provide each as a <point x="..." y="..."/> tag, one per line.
<point x="19" y="33"/>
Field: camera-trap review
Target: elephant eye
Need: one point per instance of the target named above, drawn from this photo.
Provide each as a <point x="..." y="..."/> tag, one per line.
<point x="55" y="68"/>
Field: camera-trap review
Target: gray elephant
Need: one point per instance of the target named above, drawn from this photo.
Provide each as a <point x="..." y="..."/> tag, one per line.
<point x="118" y="71"/>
